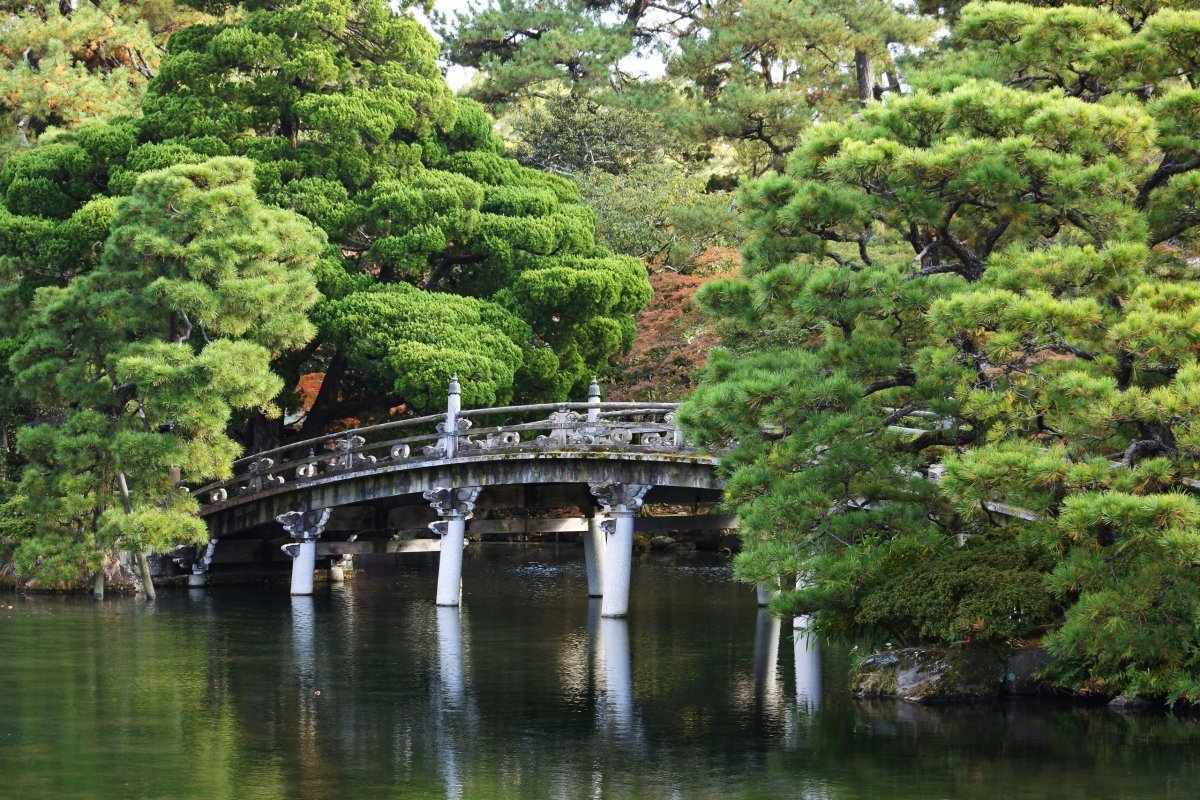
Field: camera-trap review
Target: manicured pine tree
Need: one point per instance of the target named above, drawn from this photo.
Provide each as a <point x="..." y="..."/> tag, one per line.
<point x="140" y="363"/>
<point x="991" y="280"/>
<point x="1102" y="438"/>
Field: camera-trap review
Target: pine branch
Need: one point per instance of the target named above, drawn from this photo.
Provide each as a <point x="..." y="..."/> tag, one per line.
<point x="906" y="377"/>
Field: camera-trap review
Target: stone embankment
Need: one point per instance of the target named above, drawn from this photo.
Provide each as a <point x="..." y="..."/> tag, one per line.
<point x="947" y="675"/>
<point x="931" y="675"/>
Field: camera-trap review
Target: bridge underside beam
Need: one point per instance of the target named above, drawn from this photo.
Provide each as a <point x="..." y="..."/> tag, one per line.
<point x="675" y="480"/>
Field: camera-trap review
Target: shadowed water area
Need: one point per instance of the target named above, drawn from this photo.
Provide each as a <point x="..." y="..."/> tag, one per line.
<point x="523" y="693"/>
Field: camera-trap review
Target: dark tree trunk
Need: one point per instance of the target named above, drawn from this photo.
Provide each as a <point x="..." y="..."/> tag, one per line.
<point x="263" y="433"/>
<point x="865" y="73"/>
<point x="324" y="407"/>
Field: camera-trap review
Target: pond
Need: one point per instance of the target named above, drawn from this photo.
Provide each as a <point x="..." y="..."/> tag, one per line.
<point x="371" y="691"/>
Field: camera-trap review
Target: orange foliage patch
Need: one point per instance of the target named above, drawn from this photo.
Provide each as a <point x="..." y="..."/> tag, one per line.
<point x="673" y="338"/>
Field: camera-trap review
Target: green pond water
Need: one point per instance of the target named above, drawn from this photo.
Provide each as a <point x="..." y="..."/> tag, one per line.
<point x="370" y="691"/>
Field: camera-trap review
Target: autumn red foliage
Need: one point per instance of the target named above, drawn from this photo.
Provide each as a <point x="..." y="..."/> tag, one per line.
<point x="673" y="338"/>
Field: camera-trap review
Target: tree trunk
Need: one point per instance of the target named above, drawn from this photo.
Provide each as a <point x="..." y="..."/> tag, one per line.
<point x="139" y="556"/>
<point x="327" y="398"/>
<point x="264" y="433"/>
<point x="866" y="77"/>
<point x="143" y="565"/>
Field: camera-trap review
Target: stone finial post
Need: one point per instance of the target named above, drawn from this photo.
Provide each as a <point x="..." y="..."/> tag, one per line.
<point x="450" y="426"/>
<point x="593" y="401"/>
<point x="621" y="500"/>
<point x="454" y="506"/>
<point x="306" y="527"/>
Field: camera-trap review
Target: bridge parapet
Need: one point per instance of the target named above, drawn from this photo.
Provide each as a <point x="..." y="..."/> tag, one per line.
<point x="594" y="425"/>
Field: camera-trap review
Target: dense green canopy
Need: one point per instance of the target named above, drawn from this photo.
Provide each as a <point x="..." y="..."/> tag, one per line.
<point x="344" y="112"/>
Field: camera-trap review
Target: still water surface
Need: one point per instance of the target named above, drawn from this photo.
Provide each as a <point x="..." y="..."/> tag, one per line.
<point x="370" y="691"/>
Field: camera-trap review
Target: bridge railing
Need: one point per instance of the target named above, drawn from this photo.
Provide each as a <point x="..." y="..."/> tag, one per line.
<point x="638" y="427"/>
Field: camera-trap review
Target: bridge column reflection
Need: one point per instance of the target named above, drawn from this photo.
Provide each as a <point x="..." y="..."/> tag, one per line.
<point x="304" y="654"/>
<point x="766" y="659"/>
<point x="453" y="708"/>
<point x="454" y="506"/>
<point x="808" y="671"/>
<point x="594" y="552"/>
<point x="621" y="500"/>
<point x="617" y="707"/>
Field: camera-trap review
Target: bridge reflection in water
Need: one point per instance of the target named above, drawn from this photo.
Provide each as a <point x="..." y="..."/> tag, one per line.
<point x="598" y="663"/>
<point x="377" y="485"/>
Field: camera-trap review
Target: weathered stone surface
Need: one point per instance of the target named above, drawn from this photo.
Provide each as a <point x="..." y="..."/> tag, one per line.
<point x="1021" y="679"/>
<point x="1133" y="705"/>
<point x="932" y="675"/>
<point x="661" y="542"/>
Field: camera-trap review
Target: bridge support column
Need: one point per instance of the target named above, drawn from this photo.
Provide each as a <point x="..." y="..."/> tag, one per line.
<point x="306" y="527"/>
<point x="455" y="507"/>
<point x="593" y="554"/>
<point x="196" y="579"/>
<point x="621" y="500"/>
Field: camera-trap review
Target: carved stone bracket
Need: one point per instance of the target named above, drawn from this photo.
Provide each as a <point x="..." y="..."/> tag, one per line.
<point x="573" y="428"/>
<point x="600" y="435"/>
<point x="493" y="441"/>
<point x="440" y="448"/>
<point x="453" y="502"/>
<point x="304" y="524"/>
<point x="260" y="476"/>
<point x="620" y="498"/>
<point x="349" y="456"/>
<point x="608" y="526"/>
<point x="560" y="422"/>
<point x="438" y="527"/>
<point x="670" y="436"/>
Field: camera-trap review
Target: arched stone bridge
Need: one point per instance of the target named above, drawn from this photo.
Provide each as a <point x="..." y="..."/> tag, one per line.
<point x="623" y="453"/>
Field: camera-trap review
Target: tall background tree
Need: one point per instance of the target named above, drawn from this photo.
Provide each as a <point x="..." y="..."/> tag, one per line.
<point x="62" y="63"/>
<point x="976" y="299"/>
<point x="659" y="109"/>
<point x="748" y="73"/>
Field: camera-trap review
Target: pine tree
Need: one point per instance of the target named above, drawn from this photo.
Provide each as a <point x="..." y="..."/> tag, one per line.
<point x="973" y="306"/>
<point x="751" y="73"/>
<point x="63" y="63"/>
<point x="141" y="362"/>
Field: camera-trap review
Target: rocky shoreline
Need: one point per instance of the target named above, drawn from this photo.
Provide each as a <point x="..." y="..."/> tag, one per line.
<point x="938" y="675"/>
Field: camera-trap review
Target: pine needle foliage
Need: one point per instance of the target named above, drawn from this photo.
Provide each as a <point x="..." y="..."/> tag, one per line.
<point x="960" y="373"/>
<point x="141" y="363"/>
